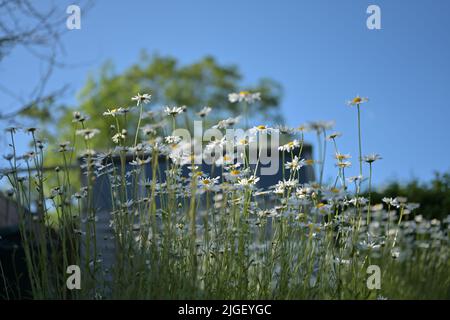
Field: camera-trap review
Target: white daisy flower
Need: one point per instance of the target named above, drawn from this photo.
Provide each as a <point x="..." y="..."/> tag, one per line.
<point x="87" y="133"/>
<point x="393" y="202"/>
<point x="340" y="156"/>
<point x="119" y="136"/>
<point x="172" y="139"/>
<point x="141" y="98"/>
<point x="355" y="178"/>
<point x="343" y="164"/>
<point x="285" y="129"/>
<point x="295" y="164"/>
<point x="244" y="96"/>
<point x="208" y="184"/>
<point x="357" y="101"/>
<point x="140" y="162"/>
<point x="204" y="112"/>
<point x="334" y="135"/>
<point x="247" y="182"/>
<point x="78" y="117"/>
<point x="320" y="126"/>
<point x="261" y="129"/>
<point x="226" y="123"/>
<point x="358" y="201"/>
<point x="371" y="158"/>
<point x="173" y="111"/>
<point x="291" y="145"/>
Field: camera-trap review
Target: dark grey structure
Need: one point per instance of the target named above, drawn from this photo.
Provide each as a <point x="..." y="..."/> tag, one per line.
<point x="103" y="201"/>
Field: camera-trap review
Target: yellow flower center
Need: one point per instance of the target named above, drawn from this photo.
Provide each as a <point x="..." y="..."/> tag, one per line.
<point x="197" y="173"/>
<point x="261" y="127"/>
<point x="335" y="190"/>
<point x="235" y="172"/>
<point x="357" y="100"/>
<point x="320" y="205"/>
<point x="206" y="181"/>
<point x="244" y="93"/>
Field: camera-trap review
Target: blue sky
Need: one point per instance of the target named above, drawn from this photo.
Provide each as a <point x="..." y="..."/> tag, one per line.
<point x="320" y="51"/>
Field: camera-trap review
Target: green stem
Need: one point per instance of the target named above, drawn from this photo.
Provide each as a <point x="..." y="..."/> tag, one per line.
<point x="359" y="139"/>
<point x="138" y="125"/>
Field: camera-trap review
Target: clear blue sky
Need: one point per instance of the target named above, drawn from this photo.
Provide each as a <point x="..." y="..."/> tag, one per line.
<point x="320" y="51"/>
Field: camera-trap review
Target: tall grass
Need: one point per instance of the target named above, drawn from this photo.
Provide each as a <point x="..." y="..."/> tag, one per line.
<point x="205" y="236"/>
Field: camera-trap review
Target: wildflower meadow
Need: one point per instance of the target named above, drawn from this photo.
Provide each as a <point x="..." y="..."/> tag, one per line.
<point x="189" y="218"/>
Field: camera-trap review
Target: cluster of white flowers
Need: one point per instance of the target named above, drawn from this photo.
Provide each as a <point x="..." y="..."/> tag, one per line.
<point x="245" y="96"/>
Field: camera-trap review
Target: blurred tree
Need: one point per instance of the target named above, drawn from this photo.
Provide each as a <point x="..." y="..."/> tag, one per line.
<point x="434" y="197"/>
<point x="36" y="29"/>
<point x="203" y="83"/>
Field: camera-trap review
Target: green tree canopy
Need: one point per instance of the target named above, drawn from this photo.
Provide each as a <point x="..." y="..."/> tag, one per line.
<point x="202" y="83"/>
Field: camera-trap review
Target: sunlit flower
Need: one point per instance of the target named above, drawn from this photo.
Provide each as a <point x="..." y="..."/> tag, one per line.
<point x="302" y="128"/>
<point x="244" y="141"/>
<point x="395" y="253"/>
<point x="334" y="193"/>
<point x="371" y="158"/>
<point x="140" y="162"/>
<point x="87" y="133"/>
<point x="285" y="129"/>
<point x="78" y="117"/>
<point x="119" y="136"/>
<point x="29" y="155"/>
<point x="226" y="123"/>
<point x="172" y="139"/>
<point x="322" y="208"/>
<point x="354" y="178"/>
<point x="358" y="201"/>
<point x="334" y="135"/>
<point x="291" y="145"/>
<point x="141" y="98"/>
<point x="263" y="129"/>
<point x="173" y="111"/>
<point x="208" y="183"/>
<point x="204" y="112"/>
<point x="304" y="192"/>
<point x="393" y="202"/>
<point x="248" y="182"/>
<point x="63" y="146"/>
<point x="117" y="111"/>
<point x="148" y="130"/>
<point x="341" y="156"/>
<point x="244" y="96"/>
<point x="343" y="164"/>
<point x="295" y="164"/>
<point x="281" y="186"/>
<point x="320" y="126"/>
<point x="357" y="101"/>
